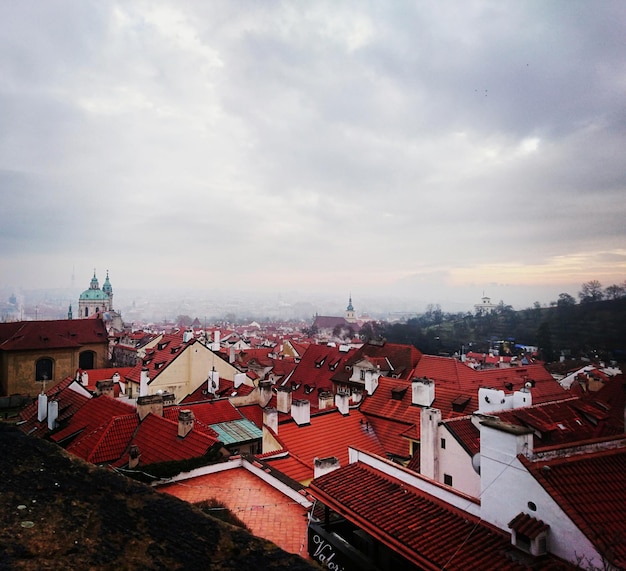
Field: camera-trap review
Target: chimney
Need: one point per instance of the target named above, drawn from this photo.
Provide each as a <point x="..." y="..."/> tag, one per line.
<point x="322" y="466"/>
<point x="133" y="456"/>
<point x="185" y="422"/>
<point x="116" y="377"/>
<point x="84" y="378"/>
<point x="371" y="381"/>
<point x="270" y="419"/>
<point x="105" y="388"/>
<point x="149" y="404"/>
<point x="342" y="402"/>
<point x="325" y="400"/>
<point x="265" y="392"/>
<point x="240" y="379"/>
<point x="301" y="412"/>
<point x="283" y="399"/>
<point x="213" y="382"/>
<point x="144" y="379"/>
<point x="42" y="407"/>
<point x="53" y="414"/>
<point x="423" y="392"/>
<point x="231" y="355"/>
<point x="215" y="346"/>
<point x="429" y="442"/>
<point x="187" y="336"/>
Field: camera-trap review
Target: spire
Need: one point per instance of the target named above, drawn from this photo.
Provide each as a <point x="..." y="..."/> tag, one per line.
<point x="94" y="281"/>
<point x="350" y="308"/>
<point x="106" y="287"/>
<point x="69" y="312"/>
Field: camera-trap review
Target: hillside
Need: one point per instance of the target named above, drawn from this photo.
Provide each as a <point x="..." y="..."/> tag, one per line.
<point x="57" y="512"/>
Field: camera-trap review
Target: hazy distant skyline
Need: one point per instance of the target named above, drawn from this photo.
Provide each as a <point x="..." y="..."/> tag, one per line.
<point x="427" y="149"/>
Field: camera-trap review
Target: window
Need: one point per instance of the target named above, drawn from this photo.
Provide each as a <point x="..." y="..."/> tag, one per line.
<point x="443" y="443"/>
<point x="447" y="479"/>
<point x="362" y="375"/>
<point x="44" y="369"/>
<point x="86" y="312"/>
<point x="86" y="360"/>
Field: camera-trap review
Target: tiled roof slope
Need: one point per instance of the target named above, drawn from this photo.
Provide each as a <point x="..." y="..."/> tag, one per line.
<point x="454" y="379"/>
<point x="69" y="402"/>
<point x="315" y="370"/>
<point x="158" y="441"/>
<point x="210" y="412"/>
<point x="227" y="389"/>
<point x="157" y="358"/>
<point x="96" y="412"/>
<point x="403" y="359"/>
<point x="329" y="434"/>
<point x="465" y="433"/>
<point x="57" y="334"/>
<point x="107" y="442"/>
<point x="589" y="488"/>
<point x="427" y="532"/>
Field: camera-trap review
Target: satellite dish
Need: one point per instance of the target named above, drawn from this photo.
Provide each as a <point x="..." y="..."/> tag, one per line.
<point x="476" y="463"/>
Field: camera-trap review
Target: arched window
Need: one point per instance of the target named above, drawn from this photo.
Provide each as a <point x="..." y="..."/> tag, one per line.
<point x="86" y="312"/>
<point x="44" y="369"/>
<point x="86" y="360"/>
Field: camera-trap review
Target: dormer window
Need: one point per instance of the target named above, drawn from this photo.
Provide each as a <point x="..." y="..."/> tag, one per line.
<point x="529" y="534"/>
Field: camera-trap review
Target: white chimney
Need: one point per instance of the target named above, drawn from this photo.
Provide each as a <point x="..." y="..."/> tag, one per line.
<point x="423" y="392"/>
<point x="144" y="379"/>
<point x="270" y="419"/>
<point x="429" y="442"/>
<point x="84" y="378"/>
<point x="53" y="414"/>
<point x="283" y="399"/>
<point x="213" y="382"/>
<point x="116" y="377"/>
<point x="490" y="400"/>
<point x="187" y="336"/>
<point x="240" y="379"/>
<point x="301" y="412"/>
<point x="522" y="398"/>
<point x="371" y="381"/>
<point x="185" y="422"/>
<point x="215" y="346"/>
<point x="42" y="407"/>
<point x="265" y="392"/>
<point x="342" y="402"/>
<point x="231" y="355"/>
<point x="323" y="466"/>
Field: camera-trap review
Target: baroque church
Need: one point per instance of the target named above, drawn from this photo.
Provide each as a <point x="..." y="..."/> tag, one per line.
<point x="95" y="300"/>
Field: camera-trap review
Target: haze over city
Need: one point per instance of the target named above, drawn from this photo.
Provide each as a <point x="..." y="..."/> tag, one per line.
<point x="430" y="152"/>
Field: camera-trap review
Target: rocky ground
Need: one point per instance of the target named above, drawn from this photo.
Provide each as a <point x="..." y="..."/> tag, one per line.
<point x="57" y="512"/>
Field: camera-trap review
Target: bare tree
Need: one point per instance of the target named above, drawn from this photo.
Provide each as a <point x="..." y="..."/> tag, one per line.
<point x="591" y="291"/>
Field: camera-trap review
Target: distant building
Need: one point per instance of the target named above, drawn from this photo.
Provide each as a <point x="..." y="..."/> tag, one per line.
<point x="95" y="300"/>
<point x="485" y="306"/>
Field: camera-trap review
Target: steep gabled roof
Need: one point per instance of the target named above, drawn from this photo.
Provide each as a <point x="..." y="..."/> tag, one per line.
<point x="397" y="358"/>
<point x="158" y="441"/>
<point x="423" y="529"/>
<point x="107" y="442"/>
<point x="589" y="488"/>
<point x="57" y="334"/>
<point x="96" y="412"/>
<point x="157" y="358"/>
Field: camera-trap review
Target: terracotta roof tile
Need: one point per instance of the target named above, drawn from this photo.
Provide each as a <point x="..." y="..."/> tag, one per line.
<point x="57" y="334"/>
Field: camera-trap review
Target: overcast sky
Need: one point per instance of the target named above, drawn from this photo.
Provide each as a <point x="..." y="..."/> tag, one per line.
<point x="437" y="148"/>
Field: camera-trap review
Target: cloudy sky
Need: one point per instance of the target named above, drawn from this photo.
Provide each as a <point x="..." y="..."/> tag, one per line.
<point x="435" y="149"/>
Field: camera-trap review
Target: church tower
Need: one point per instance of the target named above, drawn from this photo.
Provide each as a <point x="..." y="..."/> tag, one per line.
<point x="350" y="314"/>
<point x="95" y="300"/>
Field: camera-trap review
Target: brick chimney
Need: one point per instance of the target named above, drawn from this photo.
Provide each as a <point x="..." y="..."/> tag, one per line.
<point x="301" y="412"/>
<point x="105" y="388"/>
<point x="185" y="422"/>
<point x="265" y="392"/>
<point x="149" y="403"/>
<point x="283" y="399"/>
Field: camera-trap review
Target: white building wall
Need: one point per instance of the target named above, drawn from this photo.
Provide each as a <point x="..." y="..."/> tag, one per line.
<point x="507" y="489"/>
<point x="455" y="461"/>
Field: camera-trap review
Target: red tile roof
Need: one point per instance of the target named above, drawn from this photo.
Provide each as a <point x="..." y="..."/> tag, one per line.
<point x="589" y="488"/>
<point x="158" y="441"/>
<point x="57" y="334"/>
<point x="227" y="389"/>
<point x="157" y="358"/>
<point x="96" y="412"/>
<point x="107" y="442"/>
<point x="293" y="467"/>
<point x="314" y="372"/>
<point x="69" y="402"/>
<point x="398" y="359"/>
<point x="528" y="525"/>
<point x="209" y="412"/>
<point x="465" y="433"/>
<point x="424" y="530"/>
<point x="328" y="434"/>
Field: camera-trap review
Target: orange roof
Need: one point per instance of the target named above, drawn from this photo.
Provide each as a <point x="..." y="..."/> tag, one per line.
<point x="56" y="334"/>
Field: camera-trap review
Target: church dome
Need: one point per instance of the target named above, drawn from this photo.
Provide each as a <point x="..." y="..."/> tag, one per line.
<point x="93" y="294"/>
